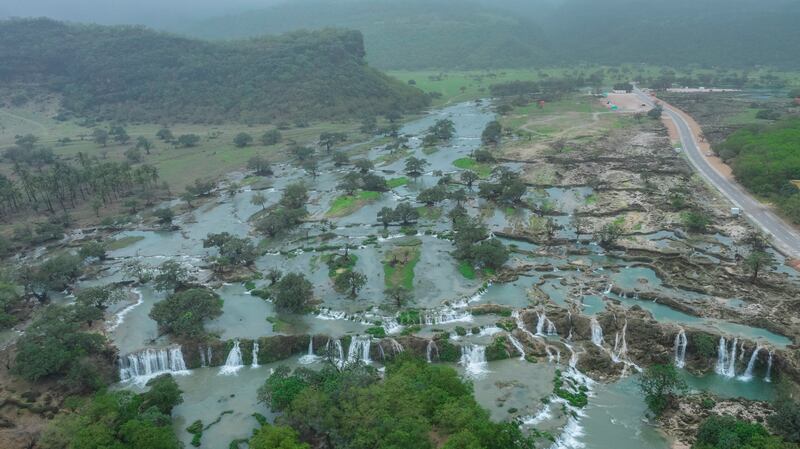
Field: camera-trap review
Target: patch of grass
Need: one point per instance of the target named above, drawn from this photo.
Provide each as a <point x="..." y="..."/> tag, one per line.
<point x="347" y="204"/>
<point x="123" y="242"/>
<point x="278" y="325"/>
<point x="591" y="199"/>
<point x="399" y="263"/>
<point x="468" y="163"/>
<point x="466" y="269"/>
<point x="430" y="213"/>
<point x="397" y="182"/>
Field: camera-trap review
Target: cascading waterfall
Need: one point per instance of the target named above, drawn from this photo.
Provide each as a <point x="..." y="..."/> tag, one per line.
<point x="521" y="324"/>
<point x="680" y="349"/>
<point x="255" y="355"/>
<point x="429" y="350"/>
<point x="208" y="355"/>
<point x="397" y="348"/>
<point x="768" y="376"/>
<point x="310" y="357"/>
<point x="359" y="350"/>
<point x="203" y="363"/>
<point x="518" y="346"/>
<point x="234" y="361"/>
<point x="726" y="362"/>
<point x="748" y="372"/>
<point x="336" y="350"/>
<point x="143" y="365"/>
<point x="544" y="326"/>
<point x="608" y="289"/>
<point x="444" y="316"/>
<point x="597" y="332"/>
<point x="473" y="359"/>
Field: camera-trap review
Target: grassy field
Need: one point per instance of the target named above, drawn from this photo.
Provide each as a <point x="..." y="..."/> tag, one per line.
<point x="399" y="263"/>
<point x="468" y="163"/>
<point x="347" y="204"/>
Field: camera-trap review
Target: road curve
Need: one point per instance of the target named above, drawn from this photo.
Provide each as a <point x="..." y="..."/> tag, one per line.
<point x="784" y="237"/>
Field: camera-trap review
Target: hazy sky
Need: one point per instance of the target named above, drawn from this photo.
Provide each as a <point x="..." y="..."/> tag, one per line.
<point x="150" y="12"/>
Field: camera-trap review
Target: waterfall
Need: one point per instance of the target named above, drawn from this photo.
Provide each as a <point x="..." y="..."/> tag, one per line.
<point x="359" y="350"/>
<point x="208" y="355"/>
<point x="620" y="345"/>
<point x="518" y="346"/>
<point x="255" y="355"/>
<point x="144" y="365"/>
<point x="429" y="350"/>
<point x="597" y="332"/>
<point x="310" y="357"/>
<point x="203" y="363"/>
<point x="521" y="324"/>
<point x="768" y="376"/>
<point x="608" y="289"/>
<point x="741" y="352"/>
<point x="473" y="359"/>
<point x="335" y="345"/>
<point x="748" y="372"/>
<point x="726" y="363"/>
<point x="680" y="349"/>
<point x="544" y="326"/>
<point x="234" y="361"/>
<point x="444" y="316"/>
<point x="397" y="348"/>
<point x="732" y="360"/>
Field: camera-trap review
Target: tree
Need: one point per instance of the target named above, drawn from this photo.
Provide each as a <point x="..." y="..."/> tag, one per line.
<point x="99" y="297"/>
<point x="492" y="133"/>
<point x="727" y="432"/>
<point x="443" y="129"/>
<point x="756" y="261"/>
<point x="469" y="178"/>
<point x="340" y="158"/>
<point x="329" y="139"/>
<point x="293" y="293"/>
<point x="143" y="143"/>
<point x="232" y="251"/>
<point x="415" y="167"/>
<point x="171" y="275"/>
<point x="386" y="216"/>
<point x="695" y="221"/>
<point x="138" y="271"/>
<point x="302" y="153"/>
<point x="188" y="140"/>
<point x="164" y="216"/>
<point x="786" y="419"/>
<point x="457" y="213"/>
<point x="489" y="253"/>
<point x="432" y="195"/>
<point x="406" y="213"/>
<point x="660" y="385"/>
<point x="579" y="224"/>
<point x="274" y="275"/>
<point x="165" y="134"/>
<point x="364" y="165"/>
<point x="133" y="155"/>
<point x="242" y="140"/>
<point x="183" y="313"/>
<point x="100" y="137"/>
<point x="164" y="394"/>
<point x="271" y="137"/>
<point x="656" y="112"/>
<point x="374" y="183"/>
<point x="311" y="167"/>
<point x="94" y="249"/>
<point x="459" y="196"/>
<point x="295" y="196"/>
<point x="260" y="165"/>
<point x="259" y="199"/>
<point x="351" y="281"/>
<point x="608" y="234"/>
<point x="398" y="295"/>
<point x="276" y="437"/>
<point x="350" y="183"/>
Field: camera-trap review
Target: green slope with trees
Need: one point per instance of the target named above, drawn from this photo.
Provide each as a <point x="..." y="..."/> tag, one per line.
<point x="136" y="74"/>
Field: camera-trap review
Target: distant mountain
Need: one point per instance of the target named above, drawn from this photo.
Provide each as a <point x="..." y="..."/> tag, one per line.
<point x="408" y="34"/>
<point x="732" y="33"/>
<point x="452" y="34"/>
<point x="136" y="74"/>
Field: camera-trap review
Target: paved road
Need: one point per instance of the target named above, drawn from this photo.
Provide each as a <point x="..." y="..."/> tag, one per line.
<point x="785" y="238"/>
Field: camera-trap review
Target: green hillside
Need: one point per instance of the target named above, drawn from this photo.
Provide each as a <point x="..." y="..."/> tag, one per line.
<point x="136" y="74"/>
<point x="409" y="34"/>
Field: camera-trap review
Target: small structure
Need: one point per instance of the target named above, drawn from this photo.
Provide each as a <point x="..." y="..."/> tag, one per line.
<point x="735" y="211"/>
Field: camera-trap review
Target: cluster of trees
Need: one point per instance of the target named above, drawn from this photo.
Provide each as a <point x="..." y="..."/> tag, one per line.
<point x="59" y="187"/>
<point x="119" y="419"/>
<point x="727" y="432"/>
<point x="508" y="188"/>
<point x="474" y="244"/>
<point x="765" y="159"/>
<point x="232" y="251"/>
<point x="547" y="89"/>
<point x="404" y="213"/>
<point x="442" y="130"/>
<point x="184" y="312"/>
<point x="60" y="345"/>
<point x="362" y="179"/>
<point x="354" y="407"/>
<point x="306" y="75"/>
<point x="287" y="213"/>
<point x="492" y="133"/>
<point x="292" y="293"/>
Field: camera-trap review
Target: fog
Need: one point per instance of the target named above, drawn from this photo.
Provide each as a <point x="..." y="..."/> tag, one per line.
<point x="148" y="12"/>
